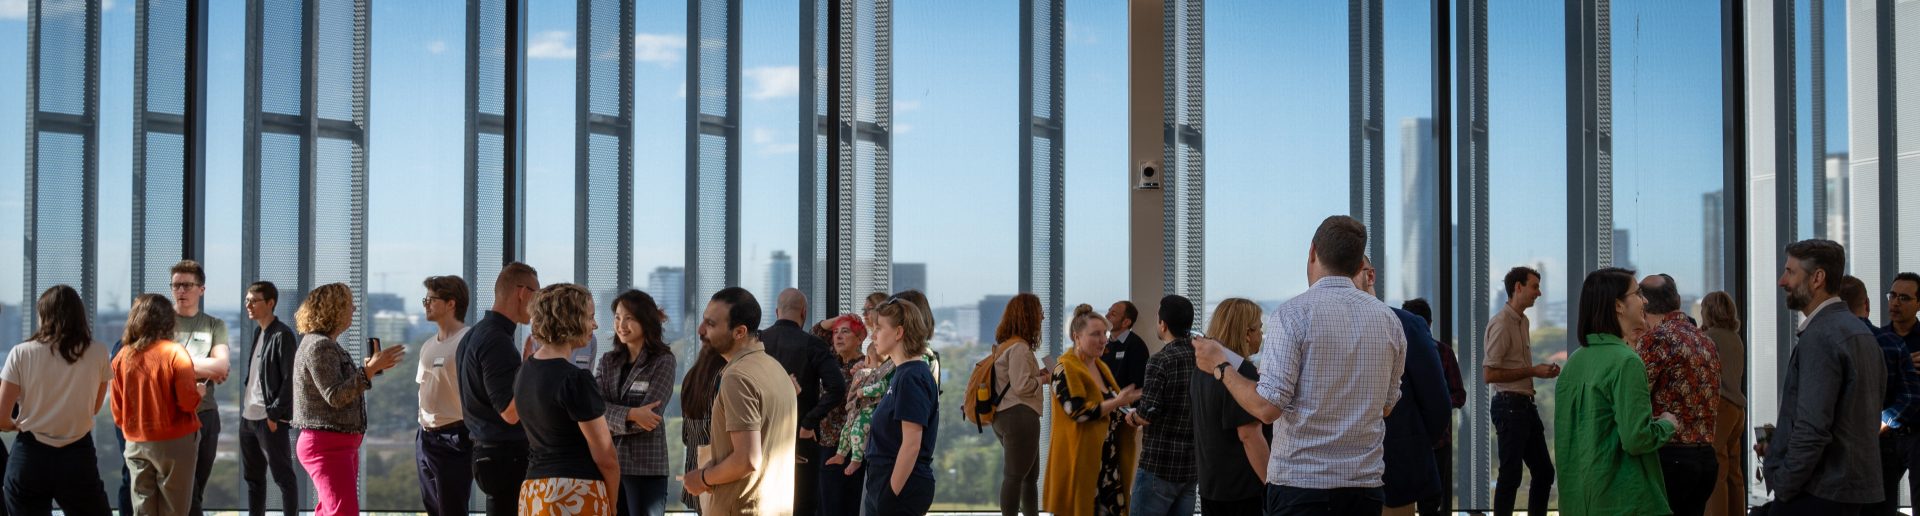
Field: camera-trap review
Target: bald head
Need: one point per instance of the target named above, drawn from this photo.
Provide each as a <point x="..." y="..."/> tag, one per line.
<point x="791" y="306"/>
<point x="1663" y="296"/>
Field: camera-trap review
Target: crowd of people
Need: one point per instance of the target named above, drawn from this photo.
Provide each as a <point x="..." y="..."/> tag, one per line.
<point x="1331" y="403"/>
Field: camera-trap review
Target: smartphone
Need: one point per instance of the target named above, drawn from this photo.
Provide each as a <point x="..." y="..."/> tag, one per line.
<point x="373" y="348"/>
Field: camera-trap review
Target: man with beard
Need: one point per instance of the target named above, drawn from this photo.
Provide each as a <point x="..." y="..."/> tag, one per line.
<point x="1824" y="459"/>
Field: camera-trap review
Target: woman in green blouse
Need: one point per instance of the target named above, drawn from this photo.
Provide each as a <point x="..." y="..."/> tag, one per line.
<point x="1607" y="439"/>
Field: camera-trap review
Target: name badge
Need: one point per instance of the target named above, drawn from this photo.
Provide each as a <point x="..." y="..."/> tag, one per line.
<point x="638" y="389"/>
<point x="440" y="361"/>
<point x="1120" y="355"/>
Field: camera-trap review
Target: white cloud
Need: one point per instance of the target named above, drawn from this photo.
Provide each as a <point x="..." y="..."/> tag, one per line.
<point x="436" y="47"/>
<point x="772" y="82"/>
<point x="106" y="5"/>
<point x="555" y="44"/>
<point x="761" y="135"/>
<point x="13" y="9"/>
<point x="1078" y="34"/>
<point x="769" y="142"/>
<point x="899" y="129"/>
<point x="660" y="49"/>
<point x="906" y="105"/>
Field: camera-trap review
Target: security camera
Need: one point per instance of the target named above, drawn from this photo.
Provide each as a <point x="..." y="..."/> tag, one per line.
<point x="1146" y="175"/>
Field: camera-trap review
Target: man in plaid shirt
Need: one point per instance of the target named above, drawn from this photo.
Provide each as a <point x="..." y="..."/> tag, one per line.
<point x="1899" y="433"/>
<point x="1168" y="476"/>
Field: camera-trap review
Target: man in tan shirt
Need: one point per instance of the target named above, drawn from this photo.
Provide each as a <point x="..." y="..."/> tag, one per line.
<point x="755" y="414"/>
<point x="1510" y="369"/>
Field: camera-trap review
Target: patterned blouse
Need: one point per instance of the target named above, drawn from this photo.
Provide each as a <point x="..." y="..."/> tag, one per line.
<point x="1683" y="371"/>
<point x="830" y="426"/>
<point x="867" y="388"/>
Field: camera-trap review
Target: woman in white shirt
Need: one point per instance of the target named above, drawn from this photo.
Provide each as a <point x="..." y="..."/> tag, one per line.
<point x="58" y="378"/>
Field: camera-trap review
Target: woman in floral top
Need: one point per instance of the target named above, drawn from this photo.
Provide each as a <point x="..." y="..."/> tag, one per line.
<point x="840" y="483"/>
<point x="1086" y="446"/>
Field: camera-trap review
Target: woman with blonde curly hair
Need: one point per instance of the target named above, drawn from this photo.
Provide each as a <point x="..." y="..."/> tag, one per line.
<point x="571" y="466"/>
<point x="330" y="402"/>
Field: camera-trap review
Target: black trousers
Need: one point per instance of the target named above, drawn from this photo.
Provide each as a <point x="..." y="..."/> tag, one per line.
<point x="1690" y="471"/>
<point x="1441" y="504"/>
<point x="1255" y="505"/>
<point x="840" y="493"/>
<point x="1522" y="441"/>
<point x="1899" y="454"/>
<point x="806" y="477"/>
<point x="262" y="451"/>
<point x="444" y="460"/>
<point x="203" y="465"/>
<point x="499" y="467"/>
<point x="1808" y="505"/>
<point x="39" y="475"/>
<point x="1351" y="501"/>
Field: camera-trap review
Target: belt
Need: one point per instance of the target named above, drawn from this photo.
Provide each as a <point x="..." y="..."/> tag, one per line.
<point x="1688" y="445"/>
<point x="1513" y="395"/>
<point x="449" y="426"/>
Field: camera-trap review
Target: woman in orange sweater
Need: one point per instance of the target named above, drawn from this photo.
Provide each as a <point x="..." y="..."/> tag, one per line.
<point x="154" y="399"/>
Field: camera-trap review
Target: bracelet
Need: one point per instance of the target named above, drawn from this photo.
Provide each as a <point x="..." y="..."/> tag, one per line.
<point x="703" y="478"/>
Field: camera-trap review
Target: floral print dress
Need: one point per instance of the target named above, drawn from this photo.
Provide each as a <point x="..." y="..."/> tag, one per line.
<point x="868" y="386"/>
<point x="1110" y="498"/>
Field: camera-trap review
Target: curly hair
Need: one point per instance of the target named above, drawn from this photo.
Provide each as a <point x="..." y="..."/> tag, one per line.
<point x="1021" y="320"/>
<point x="560" y="315"/>
<point x="328" y="310"/>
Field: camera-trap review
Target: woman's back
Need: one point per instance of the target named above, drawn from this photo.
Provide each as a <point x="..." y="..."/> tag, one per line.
<point x="153" y="392"/>
<point x="57" y="397"/>
<point x="553" y="397"/>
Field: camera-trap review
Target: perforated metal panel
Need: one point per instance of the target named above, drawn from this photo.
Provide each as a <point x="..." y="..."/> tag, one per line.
<point x="62" y="171"/>
<point x="1473" y="462"/>
<point x="603" y="228"/>
<point x="713" y="150"/>
<point x="1366" y="130"/>
<point x="846" y="181"/>
<point x="169" y="183"/>
<point x="1043" y="73"/>
<point x="1184" y="162"/>
<point x="495" y="225"/>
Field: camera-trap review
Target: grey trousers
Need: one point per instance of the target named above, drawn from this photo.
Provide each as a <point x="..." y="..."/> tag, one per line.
<point x="1019" y="431"/>
<point x="163" y="474"/>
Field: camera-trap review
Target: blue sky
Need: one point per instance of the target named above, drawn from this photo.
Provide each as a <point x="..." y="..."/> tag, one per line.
<point x="1276" y="127"/>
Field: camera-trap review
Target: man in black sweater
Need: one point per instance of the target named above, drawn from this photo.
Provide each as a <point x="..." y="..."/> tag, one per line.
<point x="811" y="364"/>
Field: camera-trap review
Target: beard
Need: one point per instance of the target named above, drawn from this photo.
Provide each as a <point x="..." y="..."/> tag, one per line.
<point x="1798" y="297"/>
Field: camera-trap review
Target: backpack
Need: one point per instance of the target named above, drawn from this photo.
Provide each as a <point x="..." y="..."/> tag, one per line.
<point x="983" y="389"/>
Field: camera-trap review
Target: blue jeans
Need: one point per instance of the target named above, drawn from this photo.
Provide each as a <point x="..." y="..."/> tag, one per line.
<point x="1154" y="496"/>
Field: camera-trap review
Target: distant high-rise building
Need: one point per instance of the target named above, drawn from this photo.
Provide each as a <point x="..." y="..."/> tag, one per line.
<point x="779" y="273"/>
<point x="390" y="326"/>
<point x="1838" y="176"/>
<point x="1419" y="240"/>
<point x="385" y="301"/>
<point x="11" y="316"/>
<point x="910" y="276"/>
<point x="991" y="307"/>
<point x="1622" y="249"/>
<point x="668" y="285"/>
<point x="966" y="320"/>
<point x="1713" y="255"/>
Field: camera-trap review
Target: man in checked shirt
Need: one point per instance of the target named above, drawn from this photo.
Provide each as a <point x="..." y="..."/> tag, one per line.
<point x="1329" y="374"/>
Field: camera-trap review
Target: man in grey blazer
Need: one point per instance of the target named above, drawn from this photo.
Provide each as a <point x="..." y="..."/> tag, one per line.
<point x="1824" y="458"/>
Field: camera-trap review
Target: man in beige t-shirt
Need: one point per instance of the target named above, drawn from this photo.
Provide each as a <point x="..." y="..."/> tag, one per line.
<point x="755" y="416"/>
<point x="1510" y="369"/>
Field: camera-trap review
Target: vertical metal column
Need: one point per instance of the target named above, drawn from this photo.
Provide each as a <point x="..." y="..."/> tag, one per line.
<point x="603" y="156"/>
<point x="1473" y="464"/>
<point x="62" y="165"/>
<point x="495" y="219"/>
<point x="1366" y="145"/>
<point x="1043" y="157"/>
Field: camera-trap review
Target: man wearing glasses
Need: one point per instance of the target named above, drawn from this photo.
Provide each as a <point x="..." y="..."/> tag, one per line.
<point x="205" y="338"/>
<point x="444" y="451"/>
<point x="1903" y="300"/>
<point x="267" y="404"/>
<point x="488" y="364"/>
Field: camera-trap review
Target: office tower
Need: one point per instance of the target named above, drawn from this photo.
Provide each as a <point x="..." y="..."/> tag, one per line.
<point x="668" y="285"/>
<point x="1713" y="228"/>
<point x="910" y="276"/>
<point x="1419" y="239"/>
<point x="1837" y="214"/>
<point x="779" y="273"/>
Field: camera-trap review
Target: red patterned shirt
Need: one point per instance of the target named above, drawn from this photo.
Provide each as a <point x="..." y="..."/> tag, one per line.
<point x="1683" y="371"/>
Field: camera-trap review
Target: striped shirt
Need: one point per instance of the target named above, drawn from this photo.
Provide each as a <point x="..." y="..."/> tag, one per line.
<point x="1332" y="363"/>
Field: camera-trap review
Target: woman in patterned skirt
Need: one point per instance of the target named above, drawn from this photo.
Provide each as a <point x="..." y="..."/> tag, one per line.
<point x="1086" y="418"/>
<point x="571" y="467"/>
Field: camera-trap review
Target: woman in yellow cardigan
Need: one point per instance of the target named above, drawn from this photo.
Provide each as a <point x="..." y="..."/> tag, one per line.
<point x="1087" y="473"/>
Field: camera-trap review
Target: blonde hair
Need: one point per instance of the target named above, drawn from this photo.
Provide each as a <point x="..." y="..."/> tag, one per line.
<point x="1718" y="311"/>
<point x="914" y="329"/>
<point x="328" y="310"/>
<point x="1082" y="314"/>
<point x="1231" y="320"/>
<point x="560" y="313"/>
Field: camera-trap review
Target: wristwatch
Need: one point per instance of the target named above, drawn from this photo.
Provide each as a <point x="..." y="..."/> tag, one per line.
<point x="1220" y="371"/>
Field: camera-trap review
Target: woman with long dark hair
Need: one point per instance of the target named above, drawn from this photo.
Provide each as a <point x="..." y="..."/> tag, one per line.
<point x="57" y="378"/>
<point x="636" y="378"/>
<point x="697" y="391"/>
<point x="1607" y="439"/>
<point x="154" y="401"/>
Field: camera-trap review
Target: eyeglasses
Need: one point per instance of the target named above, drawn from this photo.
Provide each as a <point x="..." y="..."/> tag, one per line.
<point x="1900" y="297"/>
<point x="429" y="300"/>
<point x="184" y="286"/>
<point x="252" y="301"/>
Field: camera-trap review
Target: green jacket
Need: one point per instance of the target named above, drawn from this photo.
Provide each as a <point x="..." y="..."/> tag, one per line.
<point x="1607" y="441"/>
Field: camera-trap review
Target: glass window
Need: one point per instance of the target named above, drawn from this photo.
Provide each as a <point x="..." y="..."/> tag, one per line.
<point x="1096" y="154"/>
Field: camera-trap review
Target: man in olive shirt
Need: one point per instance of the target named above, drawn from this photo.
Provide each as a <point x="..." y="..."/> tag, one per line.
<point x="754" y="414"/>
<point x="1510" y="369"/>
<point x="205" y="338"/>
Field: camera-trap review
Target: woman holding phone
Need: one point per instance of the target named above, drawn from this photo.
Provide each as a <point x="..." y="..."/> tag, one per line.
<point x="330" y="398"/>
